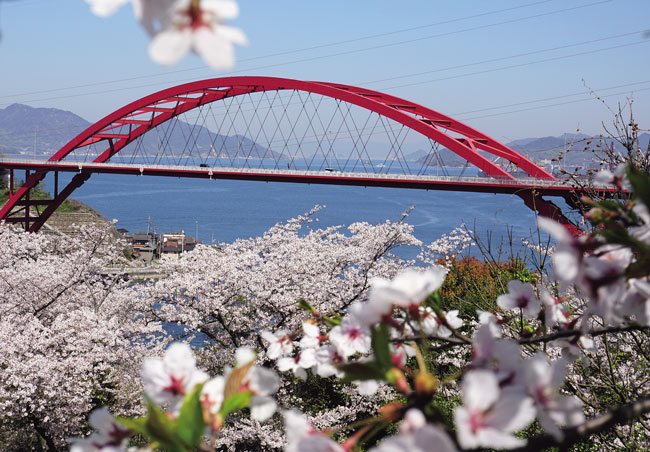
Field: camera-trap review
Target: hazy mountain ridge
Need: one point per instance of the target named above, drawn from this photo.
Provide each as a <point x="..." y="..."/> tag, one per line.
<point x="43" y="131"/>
<point x="579" y="145"/>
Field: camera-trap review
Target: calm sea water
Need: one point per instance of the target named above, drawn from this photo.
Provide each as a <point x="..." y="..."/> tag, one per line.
<point x="222" y="211"/>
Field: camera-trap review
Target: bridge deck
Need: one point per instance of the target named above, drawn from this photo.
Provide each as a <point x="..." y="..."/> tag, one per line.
<point x="425" y="182"/>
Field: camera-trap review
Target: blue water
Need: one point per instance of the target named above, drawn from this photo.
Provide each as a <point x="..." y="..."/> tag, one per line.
<point x="223" y="211"/>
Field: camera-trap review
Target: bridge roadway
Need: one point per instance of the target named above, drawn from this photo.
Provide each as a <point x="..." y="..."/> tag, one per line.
<point x="366" y="179"/>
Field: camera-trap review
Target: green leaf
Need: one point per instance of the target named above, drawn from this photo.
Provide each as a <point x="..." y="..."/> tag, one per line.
<point x="379" y="341"/>
<point x="640" y="184"/>
<point x="305" y="306"/>
<point x="235" y="402"/>
<point x="434" y="300"/>
<point x="137" y="424"/>
<point x="362" y="371"/>
<point x="162" y="429"/>
<point x="332" y="321"/>
<point x="190" y="425"/>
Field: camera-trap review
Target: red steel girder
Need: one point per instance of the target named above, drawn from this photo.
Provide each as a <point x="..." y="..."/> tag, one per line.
<point x="192" y="95"/>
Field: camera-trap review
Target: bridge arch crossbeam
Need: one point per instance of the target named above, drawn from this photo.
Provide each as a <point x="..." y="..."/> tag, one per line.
<point x="120" y="128"/>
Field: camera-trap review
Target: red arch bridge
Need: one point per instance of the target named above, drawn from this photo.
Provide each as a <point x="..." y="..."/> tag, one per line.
<point x="275" y="129"/>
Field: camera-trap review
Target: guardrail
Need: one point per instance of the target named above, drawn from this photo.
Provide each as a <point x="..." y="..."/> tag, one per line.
<point x="475" y="180"/>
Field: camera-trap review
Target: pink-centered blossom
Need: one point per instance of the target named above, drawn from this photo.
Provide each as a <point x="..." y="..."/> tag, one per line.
<point x="109" y="435"/>
<point x="168" y="380"/>
<point x="433" y="325"/>
<point x="409" y="288"/>
<point x="327" y="359"/>
<point x="543" y="382"/>
<point x="416" y="436"/>
<point x="352" y="335"/>
<point x="182" y="25"/>
<point x="568" y="253"/>
<point x="636" y="302"/>
<point x="520" y="296"/>
<point x="490" y="416"/>
<point x="298" y="364"/>
<point x="280" y="343"/>
<point x="301" y="436"/>
<point x="261" y="382"/>
<point x="555" y="313"/>
<point x="212" y="394"/>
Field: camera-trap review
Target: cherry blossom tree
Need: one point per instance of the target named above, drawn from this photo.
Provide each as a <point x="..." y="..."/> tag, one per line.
<point x="69" y="341"/>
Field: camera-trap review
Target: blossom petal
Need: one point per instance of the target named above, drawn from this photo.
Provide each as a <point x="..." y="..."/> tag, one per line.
<point x="169" y="46"/>
<point x="262" y="407"/>
<point x="215" y="50"/>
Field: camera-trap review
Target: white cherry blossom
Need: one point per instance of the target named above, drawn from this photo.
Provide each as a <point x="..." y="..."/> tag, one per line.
<point x="306" y="359"/>
<point x="311" y="336"/>
<point x="302" y="437"/>
<point x="327" y="359"/>
<point x="280" y="343"/>
<point x="184" y="25"/>
<point x="641" y="232"/>
<point x="169" y="379"/>
<point x="409" y="288"/>
<point x="262" y="382"/>
<point x="636" y="302"/>
<point x="416" y="436"/>
<point x="489" y="416"/>
<point x="109" y="436"/>
<point x="352" y="335"/>
<point x="520" y="296"/>
<point x="543" y="382"/>
<point x="487" y="318"/>
<point x="433" y="325"/>
<point x="105" y="8"/>
<point x="567" y="256"/>
<point x="212" y="394"/>
<point x="554" y="311"/>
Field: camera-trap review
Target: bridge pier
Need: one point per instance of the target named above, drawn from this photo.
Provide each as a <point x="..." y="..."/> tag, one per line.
<point x="547" y="209"/>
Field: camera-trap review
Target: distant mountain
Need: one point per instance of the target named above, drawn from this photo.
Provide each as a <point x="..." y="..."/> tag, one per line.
<point x="43" y="131"/>
<point x="580" y="150"/>
<point x="444" y="157"/>
<point x="415" y="156"/>
<point x="580" y="147"/>
<point x="24" y="129"/>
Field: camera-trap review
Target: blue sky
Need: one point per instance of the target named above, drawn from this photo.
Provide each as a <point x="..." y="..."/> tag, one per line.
<point x="462" y="58"/>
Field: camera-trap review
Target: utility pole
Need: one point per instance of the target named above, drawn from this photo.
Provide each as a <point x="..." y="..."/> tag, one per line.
<point x="148" y="225"/>
<point x="196" y="232"/>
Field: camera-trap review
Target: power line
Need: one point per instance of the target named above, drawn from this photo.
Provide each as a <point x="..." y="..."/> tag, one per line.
<point x="287" y="52"/>
<point x="546" y="60"/>
<point x="349" y="52"/>
<point x="550" y="98"/>
<point x="518" y="55"/>
<point x="550" y="105"/>
<point x="411" y="75"/>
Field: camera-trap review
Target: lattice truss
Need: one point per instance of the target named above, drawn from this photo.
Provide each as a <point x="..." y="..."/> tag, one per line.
<point x="282" y="129"/>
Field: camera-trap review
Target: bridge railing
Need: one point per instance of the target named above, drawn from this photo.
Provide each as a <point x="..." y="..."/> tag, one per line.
<point x="475" y="180"/>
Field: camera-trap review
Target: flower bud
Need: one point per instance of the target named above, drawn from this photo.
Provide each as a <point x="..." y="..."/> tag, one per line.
<point x="425" y="383"/>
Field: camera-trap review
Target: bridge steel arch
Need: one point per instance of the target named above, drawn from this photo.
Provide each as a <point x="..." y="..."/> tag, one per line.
<point x="171" y="102"/>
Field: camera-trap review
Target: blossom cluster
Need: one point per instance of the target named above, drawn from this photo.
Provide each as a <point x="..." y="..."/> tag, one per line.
<point x="190" y="400"/>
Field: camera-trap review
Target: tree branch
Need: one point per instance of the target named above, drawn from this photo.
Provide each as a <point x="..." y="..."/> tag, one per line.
<point x="452" y="342"/>
<point x="573" y="435"/>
